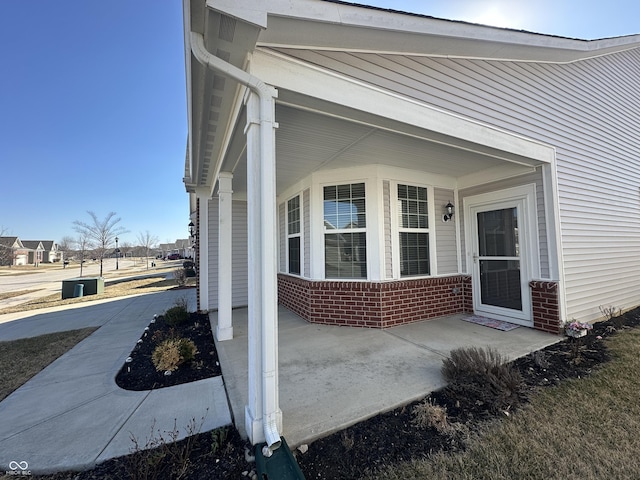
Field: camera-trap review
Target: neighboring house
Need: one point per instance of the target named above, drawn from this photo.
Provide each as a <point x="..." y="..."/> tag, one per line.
<point x="166" y="249"/>
<point x="35" y="251"/>
<point x="184" y="248"/>
<point x="367" y="167"/>
<point x="52" y="252"/>
<point x="12" y="251"/>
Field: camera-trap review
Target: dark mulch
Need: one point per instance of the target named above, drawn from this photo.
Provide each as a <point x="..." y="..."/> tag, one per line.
<point x="141" y="374"/>
<point x="391" y="437"/>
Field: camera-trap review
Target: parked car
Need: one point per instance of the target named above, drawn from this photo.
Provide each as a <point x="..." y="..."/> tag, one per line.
<point x="173" y="256"/>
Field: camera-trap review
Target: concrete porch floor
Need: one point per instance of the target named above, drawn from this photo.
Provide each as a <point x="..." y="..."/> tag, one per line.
<point x="332" y="377"/>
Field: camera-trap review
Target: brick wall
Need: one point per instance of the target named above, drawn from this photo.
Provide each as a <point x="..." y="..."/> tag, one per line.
<point x="375" y="304"/>
<point x="546" y="308"/>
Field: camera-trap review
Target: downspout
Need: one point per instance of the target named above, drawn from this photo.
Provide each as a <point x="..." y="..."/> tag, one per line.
<point x="265" y="94"/>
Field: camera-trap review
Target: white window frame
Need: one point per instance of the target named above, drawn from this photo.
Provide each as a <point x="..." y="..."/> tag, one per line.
<point x="365" y="230"/>
<point x="396" y="229"/>
<point x="289" y="235"/>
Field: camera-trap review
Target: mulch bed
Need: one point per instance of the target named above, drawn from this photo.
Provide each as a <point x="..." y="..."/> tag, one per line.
<point x="385" y="439"/>
<point x="141" y="374"/>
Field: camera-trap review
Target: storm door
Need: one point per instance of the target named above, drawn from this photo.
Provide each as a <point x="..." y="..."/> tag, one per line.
<point x="500" y="277"/>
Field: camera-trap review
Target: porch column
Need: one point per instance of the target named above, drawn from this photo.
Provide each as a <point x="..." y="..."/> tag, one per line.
<point x="263" y="417"/>
<point x="203" y="195"/>
<point x="224" y="330"/>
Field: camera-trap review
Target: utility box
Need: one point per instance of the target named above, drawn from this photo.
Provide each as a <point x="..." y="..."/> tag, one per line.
<point x="92" y="286"/>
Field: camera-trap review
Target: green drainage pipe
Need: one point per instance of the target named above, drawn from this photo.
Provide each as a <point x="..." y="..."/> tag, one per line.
<point x="281" y="465"/>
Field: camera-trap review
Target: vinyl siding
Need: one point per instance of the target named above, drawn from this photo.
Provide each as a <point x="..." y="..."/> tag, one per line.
<point x="588" y="110"/>
<point x="445" y="234"/>
<point x="388" y="246"/>
<point x="240" y="259"/>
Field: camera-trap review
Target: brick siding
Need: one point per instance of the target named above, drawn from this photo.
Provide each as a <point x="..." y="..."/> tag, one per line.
<point x="546" y="307"/>
<point x="375" y="304"/>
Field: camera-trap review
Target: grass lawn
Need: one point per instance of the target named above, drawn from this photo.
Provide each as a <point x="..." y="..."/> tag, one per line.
<point x="133" y="287"/>
<point x="22" y="359"/>
<point x="584" y="429"/>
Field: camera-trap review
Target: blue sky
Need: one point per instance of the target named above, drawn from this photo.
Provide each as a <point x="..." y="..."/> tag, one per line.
<point x="93" y="113"/>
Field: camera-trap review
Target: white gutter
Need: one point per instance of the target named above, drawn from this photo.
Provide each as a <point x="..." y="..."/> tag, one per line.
<point x="266" y="94"/>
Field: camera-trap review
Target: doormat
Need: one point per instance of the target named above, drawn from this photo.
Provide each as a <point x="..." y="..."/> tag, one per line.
<point x="491" y="322"/>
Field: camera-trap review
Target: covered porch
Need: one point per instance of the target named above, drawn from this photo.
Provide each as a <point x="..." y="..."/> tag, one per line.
<point x="332" y="377"/>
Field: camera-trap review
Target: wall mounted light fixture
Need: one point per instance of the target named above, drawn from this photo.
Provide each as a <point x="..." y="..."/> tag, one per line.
<point x="449" y="212"/>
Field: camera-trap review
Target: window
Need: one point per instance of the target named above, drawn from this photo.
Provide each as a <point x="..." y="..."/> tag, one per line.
<point x="413" y="227"/>
<point x="345" y="243"/>
<point x="293" y="234"/>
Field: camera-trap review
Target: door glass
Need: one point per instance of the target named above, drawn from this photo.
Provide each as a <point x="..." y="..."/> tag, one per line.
<point x="499" y="253"/>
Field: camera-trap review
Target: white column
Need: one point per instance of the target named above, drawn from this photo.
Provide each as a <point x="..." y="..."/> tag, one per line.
<point x="224" y="330"/>
<point x="203" y="196"/>
<point x="263" y="418"/>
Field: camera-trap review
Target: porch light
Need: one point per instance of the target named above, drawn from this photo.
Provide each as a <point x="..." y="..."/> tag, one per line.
<point x="192" y="229"/>
<point x="449" y="209"/>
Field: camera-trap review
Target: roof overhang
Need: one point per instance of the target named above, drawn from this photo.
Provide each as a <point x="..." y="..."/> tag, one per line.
<point x="241" y="31"/>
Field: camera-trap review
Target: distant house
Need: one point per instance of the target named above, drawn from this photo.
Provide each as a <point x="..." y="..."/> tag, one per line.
<point x="50" y="250"/>
<point x="35" y="251"/>
<point x="12" y="251"/>
<point x="166" y="249"/>
<point x="368" y="167"/>
<point x="184" y="248"/>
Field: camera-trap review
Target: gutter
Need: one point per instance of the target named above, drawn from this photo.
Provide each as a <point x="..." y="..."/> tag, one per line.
<point x="265" y="94"/>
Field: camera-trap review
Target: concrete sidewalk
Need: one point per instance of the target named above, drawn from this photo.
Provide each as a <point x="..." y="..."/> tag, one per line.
<point x="72" y="415"/>
<point x="332" y="377"/>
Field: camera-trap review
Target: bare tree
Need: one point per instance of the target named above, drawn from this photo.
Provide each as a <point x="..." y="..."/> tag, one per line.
<point x="7" y="252"/>
<point x="82" y="244"/>
<point x="147" y="241"/>
<point x="100" y="233"/>
<point x="66" y="246"/>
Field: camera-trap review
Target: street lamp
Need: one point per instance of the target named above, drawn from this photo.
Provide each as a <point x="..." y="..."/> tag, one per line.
<point x="117" y="253"/>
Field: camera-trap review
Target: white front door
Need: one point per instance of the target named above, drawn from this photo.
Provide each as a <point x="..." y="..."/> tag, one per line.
<point x="501" y="243"/>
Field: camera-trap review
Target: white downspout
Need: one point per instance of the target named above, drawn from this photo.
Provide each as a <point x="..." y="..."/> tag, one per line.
<point x="266" y="94"/>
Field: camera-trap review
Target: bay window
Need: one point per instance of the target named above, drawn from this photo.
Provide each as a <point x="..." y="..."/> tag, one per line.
<point x="293" y="235"/>
<point x="345" y="243"/>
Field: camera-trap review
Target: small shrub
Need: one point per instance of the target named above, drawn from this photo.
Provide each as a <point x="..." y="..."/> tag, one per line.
<point x="347" y="440"/>
<point x="218" y="439"/>
<point x="172" y="353"/>
<point x="180" y="276"/>
<point x="428" y="415"/>
<point x="176" y="315"/>
<point x="480" y="377"/>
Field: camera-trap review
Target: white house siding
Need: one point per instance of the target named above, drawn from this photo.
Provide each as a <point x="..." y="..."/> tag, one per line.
<point x="446" y="247"/>
<point x="388" y="252"/>
<point x="240" y="259"/>
<point x="589" y="110"/>
<point x="306" y="214"/>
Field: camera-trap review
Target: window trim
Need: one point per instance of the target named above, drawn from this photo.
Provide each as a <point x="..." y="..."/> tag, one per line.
<point x="396" y="229"/>
<point x="300" y="234"/>
<point x="364" y="230"/>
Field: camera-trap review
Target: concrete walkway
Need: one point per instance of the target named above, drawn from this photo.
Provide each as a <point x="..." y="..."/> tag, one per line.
<point x="332" y="377"/>
<point x="72" y="415"/>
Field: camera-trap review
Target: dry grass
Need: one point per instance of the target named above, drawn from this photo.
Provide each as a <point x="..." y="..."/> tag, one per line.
<point x="583" y="429"/>
<point x="22" y="359"/>
<point x="16" y="293"/>
<point x="133" y="287"/>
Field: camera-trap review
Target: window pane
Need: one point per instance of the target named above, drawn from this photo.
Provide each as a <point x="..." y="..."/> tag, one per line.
<point x="294" y="255"/>
<point x="413" y="207"/>
<point x="414" y="254"/>
<point x="293" y="215"/>
<point x="345" y="255"/>
<point x="344" y="207"/>
<point x="498" y="233"/>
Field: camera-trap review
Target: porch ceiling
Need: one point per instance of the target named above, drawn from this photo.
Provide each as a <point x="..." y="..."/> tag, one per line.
<point x="310" y="140"/>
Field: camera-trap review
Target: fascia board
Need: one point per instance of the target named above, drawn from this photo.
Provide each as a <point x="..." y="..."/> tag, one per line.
<point x="311" y="24"/>
<point x="250" y="11"/>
